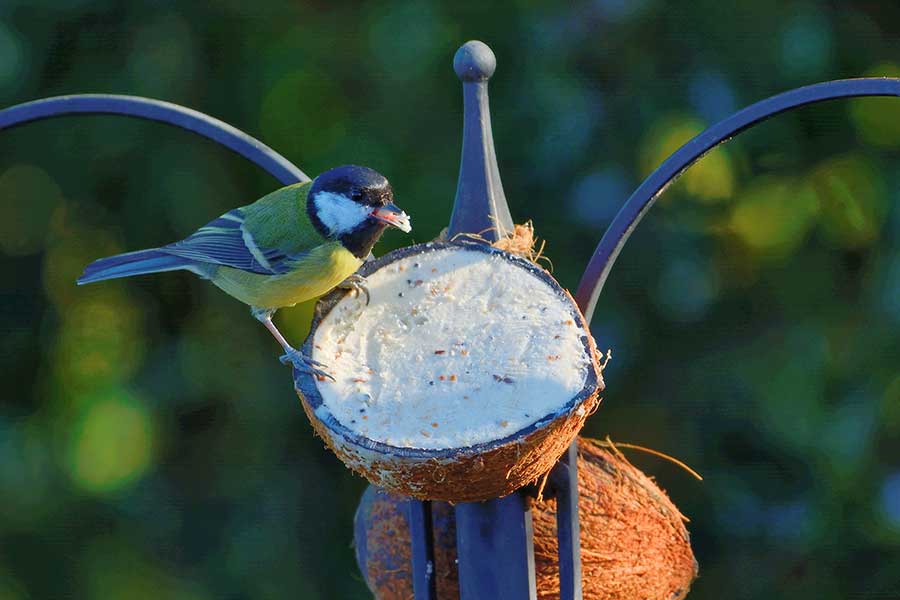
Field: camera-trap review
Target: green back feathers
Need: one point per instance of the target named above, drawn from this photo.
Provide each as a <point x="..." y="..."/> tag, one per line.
<point x="279" y="220"/>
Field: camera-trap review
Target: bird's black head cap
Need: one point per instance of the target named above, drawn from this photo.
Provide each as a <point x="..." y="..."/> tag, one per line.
<point x="363" y="186"/>
<point x="360" y="184"/>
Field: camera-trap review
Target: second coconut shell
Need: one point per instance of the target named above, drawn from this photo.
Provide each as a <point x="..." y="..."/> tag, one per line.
<point x="634" y="543"/>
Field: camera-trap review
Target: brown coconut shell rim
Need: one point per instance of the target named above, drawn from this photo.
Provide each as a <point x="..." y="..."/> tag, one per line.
<point x="306" y="384"/>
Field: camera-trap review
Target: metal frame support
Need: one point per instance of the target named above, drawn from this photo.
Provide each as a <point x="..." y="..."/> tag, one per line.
<point x="644" y="197"/>
<point x="494" y="539"/>
<point x="564" y="479"/>
<point x="420" y="528"/>
<point x="494" y="550"/>
<point x="163" y="112"/>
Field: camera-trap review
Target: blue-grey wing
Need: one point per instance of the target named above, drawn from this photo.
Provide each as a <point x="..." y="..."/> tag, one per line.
<point x="225" y="241"/>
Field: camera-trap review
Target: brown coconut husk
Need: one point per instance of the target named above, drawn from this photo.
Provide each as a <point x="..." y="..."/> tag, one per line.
<point x="472" y="473"/>
<point x="389" y="574"/>
<point x="521" y="241"/>
<point x="634" y="543"/>
<point x="389" y="569"/>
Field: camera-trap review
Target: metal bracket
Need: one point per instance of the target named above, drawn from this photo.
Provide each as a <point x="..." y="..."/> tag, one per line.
<point x="643" y="198"/>
<point x="163" y="112"/>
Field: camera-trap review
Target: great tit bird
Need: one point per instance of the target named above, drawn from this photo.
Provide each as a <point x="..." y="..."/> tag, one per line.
<point x="287" y="247"/>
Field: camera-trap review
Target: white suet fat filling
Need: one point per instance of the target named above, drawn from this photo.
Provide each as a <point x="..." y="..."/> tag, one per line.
<point x="457" y="347"/>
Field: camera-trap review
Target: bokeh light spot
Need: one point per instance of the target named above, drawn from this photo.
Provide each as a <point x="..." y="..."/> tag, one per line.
<point x="12" y="59"/>
<point x="709" y="180"/>
<point x="112" y="444"/>
<point x="100" y="339"/>
<point x="567" y="113"/>
<point x="711" y="95"/>
<point x="66" y="256"/>
<point x="686" y="289"/>
<point x="598" y="196"/>
<point x="853" y="200"/>
<point x="772" y="216"/>
<point x="405" y="56"/>
<point x="806" y="45"/>
<point x="162" y="59"/>
<point x="849" y="429"/>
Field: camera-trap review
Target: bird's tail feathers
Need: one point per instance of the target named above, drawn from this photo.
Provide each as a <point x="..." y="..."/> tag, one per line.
<point x="135" y="263"/>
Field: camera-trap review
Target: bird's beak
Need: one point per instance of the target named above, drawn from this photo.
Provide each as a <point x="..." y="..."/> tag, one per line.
<point x="393" y="216"/>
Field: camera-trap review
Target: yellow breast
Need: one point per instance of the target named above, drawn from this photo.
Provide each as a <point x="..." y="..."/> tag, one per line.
<point x="313" y="275"/>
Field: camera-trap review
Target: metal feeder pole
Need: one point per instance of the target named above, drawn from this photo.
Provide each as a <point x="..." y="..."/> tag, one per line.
<point x="495" y="552"/>
<point x="494" y="539"/>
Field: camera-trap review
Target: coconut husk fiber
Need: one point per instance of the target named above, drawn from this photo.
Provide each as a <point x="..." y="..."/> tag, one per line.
<point x="521" y="241"/>
<point x="634" y="543"/>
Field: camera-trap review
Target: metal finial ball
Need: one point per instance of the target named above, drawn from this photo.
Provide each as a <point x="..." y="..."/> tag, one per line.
<point x="474" y="61"/>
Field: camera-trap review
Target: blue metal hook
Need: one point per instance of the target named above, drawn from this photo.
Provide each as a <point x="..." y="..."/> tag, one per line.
<point x="156" y="110"/>
<point x="643" y="198"/>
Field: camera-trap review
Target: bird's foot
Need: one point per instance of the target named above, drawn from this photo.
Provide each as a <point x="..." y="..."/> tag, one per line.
<point x="357" y="284"/>
<point x="305" y="364"/>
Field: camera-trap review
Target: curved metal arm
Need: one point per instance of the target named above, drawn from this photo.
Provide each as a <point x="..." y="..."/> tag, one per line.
<point x="643" y="198"/>
<point x="164" y="112"/>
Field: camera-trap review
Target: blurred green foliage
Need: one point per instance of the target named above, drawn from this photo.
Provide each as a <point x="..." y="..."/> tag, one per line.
<point x="151" y="445"/>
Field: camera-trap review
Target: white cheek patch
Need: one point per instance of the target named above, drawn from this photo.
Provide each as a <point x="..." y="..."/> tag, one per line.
<point x="339" y="213"/>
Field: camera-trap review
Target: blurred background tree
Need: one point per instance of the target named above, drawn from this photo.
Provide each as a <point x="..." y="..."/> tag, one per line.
<point x="151" y="445"/>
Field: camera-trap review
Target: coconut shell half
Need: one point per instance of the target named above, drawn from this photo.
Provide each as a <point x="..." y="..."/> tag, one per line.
<point x="520" y="379"/>
<point x="634" y="543"/>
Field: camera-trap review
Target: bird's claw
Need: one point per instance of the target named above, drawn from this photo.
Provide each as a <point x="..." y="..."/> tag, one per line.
<point x="305" y="364"/>
<point x="357" y="284"/>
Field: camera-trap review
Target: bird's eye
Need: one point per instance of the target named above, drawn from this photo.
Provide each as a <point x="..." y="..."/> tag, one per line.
<point x="357" y="196"/>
